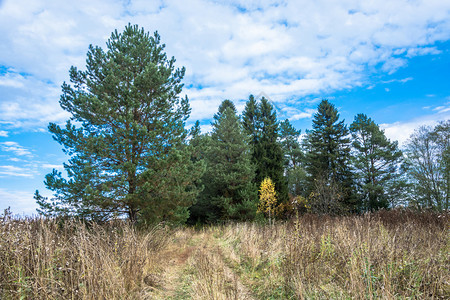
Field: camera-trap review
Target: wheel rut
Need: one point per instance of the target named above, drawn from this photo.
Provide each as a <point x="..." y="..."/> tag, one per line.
<point x="193" y="266"/>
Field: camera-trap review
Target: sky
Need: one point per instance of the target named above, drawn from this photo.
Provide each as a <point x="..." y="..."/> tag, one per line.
<point x="387" y="59"/>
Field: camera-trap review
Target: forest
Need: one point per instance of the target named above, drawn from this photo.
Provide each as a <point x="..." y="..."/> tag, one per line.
<point x="254" y="209"/>
<point x="131" y="155"/>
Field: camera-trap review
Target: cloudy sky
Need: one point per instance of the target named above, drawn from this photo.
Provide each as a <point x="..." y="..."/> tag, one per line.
<point x="388" y="59"/>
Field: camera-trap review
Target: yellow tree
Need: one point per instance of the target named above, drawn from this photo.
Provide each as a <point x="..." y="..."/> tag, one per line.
<point x="267" y="198"/>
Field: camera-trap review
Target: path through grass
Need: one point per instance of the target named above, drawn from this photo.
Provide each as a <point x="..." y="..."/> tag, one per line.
<point x="193" y="266"/>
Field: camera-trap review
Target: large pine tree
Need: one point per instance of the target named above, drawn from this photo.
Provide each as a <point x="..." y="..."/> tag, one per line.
<point x="328" y="160"/>
<point x="376" y="161"/>
<point x="126" y="136"/>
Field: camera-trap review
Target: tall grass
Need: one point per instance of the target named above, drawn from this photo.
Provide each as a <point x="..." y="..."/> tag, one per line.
<point x="47" y="259"/>
<point x="383" y="255"/>
<point x="387" y="255"/>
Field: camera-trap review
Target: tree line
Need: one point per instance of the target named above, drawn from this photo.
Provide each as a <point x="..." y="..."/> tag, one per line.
<point x="131" y="154"/>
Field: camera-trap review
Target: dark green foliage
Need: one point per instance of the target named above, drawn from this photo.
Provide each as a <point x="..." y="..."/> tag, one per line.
<point x="429" y="166"/>
<point x="260" y="123"/>
<point x="250" y="120"/>
<point x="202" y="210"/>
<point x="126" y="136"/>
<point x="229" y="191"/>
<point x="328" y="156"/>
<point x="376" y="161"/>
<point x="289" y="136"/>
<point x="293" y="158"/>
<point x="198" y="143"/>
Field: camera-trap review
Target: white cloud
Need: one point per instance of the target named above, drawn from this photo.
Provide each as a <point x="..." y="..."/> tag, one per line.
<point x="422" y="51"/>
<point x="3" y="133"/>
<point x="15" y="148"/>
<point x="16" y="109"/>
<point x="12" y="80"/>
<point x="52" y="166"/>
<point x="15" y="171"/>
<point x="289" y="49"/>
<point x="401" y="131"/>
<point x="20" y="202"/>
<point x="15" y="159"/>
<point x="403" y="80"/>
<point x="302" y="115"/>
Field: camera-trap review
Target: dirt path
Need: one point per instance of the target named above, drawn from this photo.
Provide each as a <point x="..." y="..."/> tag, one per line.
<point x="192" y="266"/>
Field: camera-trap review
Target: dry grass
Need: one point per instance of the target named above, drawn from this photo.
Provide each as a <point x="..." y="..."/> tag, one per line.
<point x="44" y="259"/>
<point x="387" y="255"/>
<point x="397" y="254"/>
<point x="210" y="276"/>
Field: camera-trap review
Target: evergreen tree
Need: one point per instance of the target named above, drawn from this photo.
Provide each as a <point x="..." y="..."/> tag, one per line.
<point x="289" y="137"/>
<point x="126" y="136"/>
<point x="376" y="161"/>
<point x="260" y="122"/>
<point x="328" y="156"/>
<point x="293" y="158"/>
<point x="250" y="120"/>
<point x="230" y="192"/>
<point x="199" y="143"/>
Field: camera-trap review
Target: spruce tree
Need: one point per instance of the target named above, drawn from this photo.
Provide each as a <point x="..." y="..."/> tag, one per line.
<point x="260" y="122"/>
<point x="199" y="211"/>
<point x="250" y="120"/>
<point x="230" y="192"/>
<point x="293" y="158"/>
<point x="126" y="137"/>
<point x="328" y="158"/>
<point x="376" y="160"/>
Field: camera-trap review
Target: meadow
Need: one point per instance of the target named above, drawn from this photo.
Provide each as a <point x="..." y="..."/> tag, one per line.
<point x="385" y="255"/>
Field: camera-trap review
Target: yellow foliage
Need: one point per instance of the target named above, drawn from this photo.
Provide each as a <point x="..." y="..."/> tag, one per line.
<point x="267" y="197"/>
<point x="302" y="204"/>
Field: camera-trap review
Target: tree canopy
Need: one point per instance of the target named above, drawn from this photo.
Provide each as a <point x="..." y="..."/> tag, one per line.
<point x="229" y="191"/>
<point x="261" y="124"/>
<point x="130" y="154"/>
<point x="328" y="156"/>
<point x="126" y="135"/>
<point x="376" y="161"/>
<point x="428" y="162"/>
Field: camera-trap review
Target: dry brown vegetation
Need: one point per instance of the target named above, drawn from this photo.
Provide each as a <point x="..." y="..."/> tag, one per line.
<point x="45" y="259"/>
<point x="390" y="255"/>
<point x="397" y="254"/>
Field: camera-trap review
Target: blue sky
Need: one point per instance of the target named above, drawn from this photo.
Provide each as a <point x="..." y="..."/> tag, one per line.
<point x="388" y="59"/>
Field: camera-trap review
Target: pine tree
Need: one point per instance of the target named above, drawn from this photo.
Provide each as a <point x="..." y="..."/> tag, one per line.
<point x="126" y="137"/>
<point x="376" y="161"/>
<point x="260" y="122"/>
<point x="229" y="189"/>
<point x="328" y="156"/>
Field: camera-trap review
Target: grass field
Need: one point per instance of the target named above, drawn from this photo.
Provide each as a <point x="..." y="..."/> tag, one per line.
<point x="385" y="255"/>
